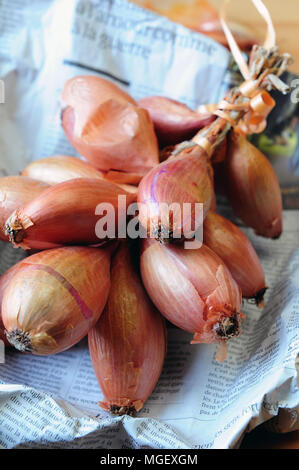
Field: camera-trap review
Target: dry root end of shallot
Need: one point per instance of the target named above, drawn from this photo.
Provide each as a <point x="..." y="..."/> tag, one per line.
<point x="26" y="342"/>
<point x="222" y="326"/>
<point x="259" y="300"/>
<point x="227" y="327"/>
<point x="122" y="410"/>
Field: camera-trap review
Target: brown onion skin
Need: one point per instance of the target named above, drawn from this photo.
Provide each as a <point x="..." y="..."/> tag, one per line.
<point x="16" y="191"/>
<point x="55" y="297"/>
<point x="186" y="178"/>
<point x="253" y="187"/>
<point x="64" y="214"/>
<point x="128" y="344"/>
<point x="107" y="127"/>
<point x="174" y="122"/>
<point x="193" y="289"/>
<point x="234" y="248"/>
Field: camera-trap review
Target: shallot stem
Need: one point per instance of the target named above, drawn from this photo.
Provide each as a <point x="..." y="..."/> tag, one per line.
<point x="266" y="66"/>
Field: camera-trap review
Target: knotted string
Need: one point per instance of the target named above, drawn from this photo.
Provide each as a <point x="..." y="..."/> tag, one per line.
<point x="257" y="103"/>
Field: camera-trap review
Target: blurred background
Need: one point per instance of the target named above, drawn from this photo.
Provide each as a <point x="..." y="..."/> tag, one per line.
<point x="201" y="15"/>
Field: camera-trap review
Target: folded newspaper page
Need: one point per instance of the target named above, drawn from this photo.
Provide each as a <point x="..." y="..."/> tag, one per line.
<point x="198" y="403"/>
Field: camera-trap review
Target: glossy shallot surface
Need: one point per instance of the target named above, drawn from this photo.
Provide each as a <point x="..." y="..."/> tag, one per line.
<point x="193" y="289"/>
<point x="65" y="214"/>
<point x="252" y="187"/>
<point x="174" y="122"/>
<point x="234" y="248"/>
<point x="55" y="297"/>
<point x="181" y="180"/>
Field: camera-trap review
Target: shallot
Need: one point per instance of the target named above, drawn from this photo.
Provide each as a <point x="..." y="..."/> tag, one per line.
<point x="4" y="282"/>
<point x="55" y="297"/>
<point x="252" y="187"/>
<point x="128" y="344"/>
<point x="59" y="168"/>
<point x="234" y="248"/>
<point x="67" y="214"/>
<point x="193" y="289"/>
<point x="106" y="126"/>
<point x="173" y="121"/>
<point x="184" y="179"/>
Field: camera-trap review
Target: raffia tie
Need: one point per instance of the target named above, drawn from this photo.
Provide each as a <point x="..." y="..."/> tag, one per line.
<point x="256" y="103"/>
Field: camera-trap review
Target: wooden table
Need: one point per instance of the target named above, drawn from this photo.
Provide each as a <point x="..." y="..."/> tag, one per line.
<point x="285" y="16"/>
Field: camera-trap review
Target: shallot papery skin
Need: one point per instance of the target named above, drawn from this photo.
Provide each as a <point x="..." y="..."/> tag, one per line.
<point x="128" y="343"/>
<point x="65" y="214"/>
<point x="252" y="187"/>
<point x="55" y="297"/>
<point x="193" y="289"/>
<point x="184" y="179"/>
<point x="4" y="282"/>
<point x="173" y="121"/>
<point x="237" y="252"/>
<point x="15" y="191"/>
<point x="106" y="126"/>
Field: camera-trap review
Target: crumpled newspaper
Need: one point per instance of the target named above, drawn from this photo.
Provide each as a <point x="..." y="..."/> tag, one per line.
<point x="198" y="402"/>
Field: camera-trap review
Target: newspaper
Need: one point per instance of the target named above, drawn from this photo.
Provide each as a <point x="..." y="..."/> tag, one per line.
<point x="198" y="403"/>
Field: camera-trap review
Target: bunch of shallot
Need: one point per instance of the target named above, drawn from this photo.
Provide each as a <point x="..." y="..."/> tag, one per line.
<point x="83" y="281"/>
